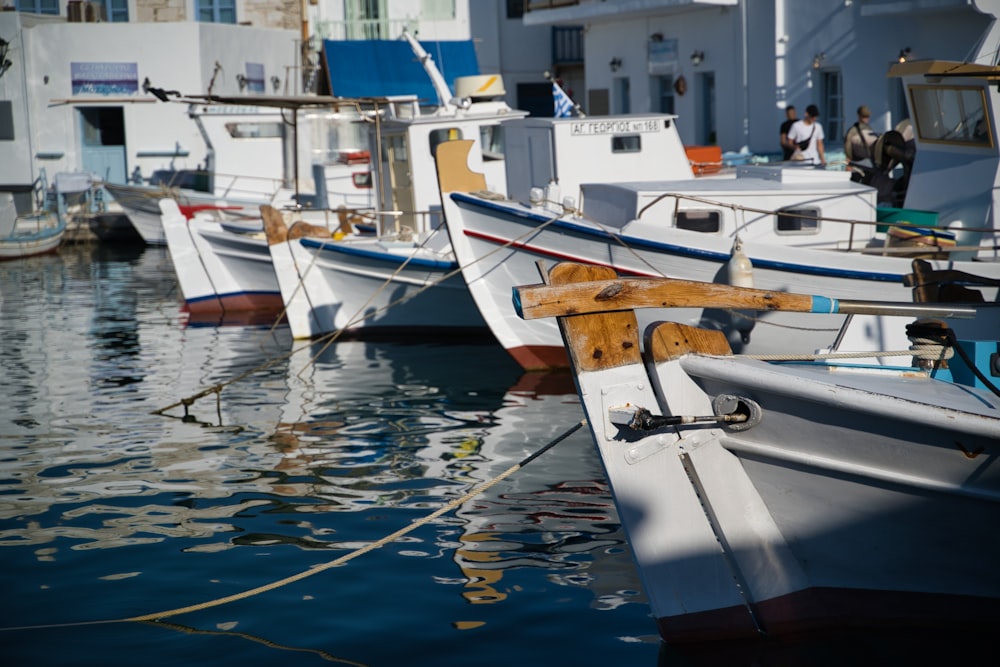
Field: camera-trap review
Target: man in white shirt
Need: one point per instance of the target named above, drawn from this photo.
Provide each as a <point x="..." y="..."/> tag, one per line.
<point x="808" y="134"/>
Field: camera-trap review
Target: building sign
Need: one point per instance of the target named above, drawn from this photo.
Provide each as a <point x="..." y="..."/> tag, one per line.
<point x="662" y="56"/>
<point x="104" y="78"/>
<point x="255" y="77"/>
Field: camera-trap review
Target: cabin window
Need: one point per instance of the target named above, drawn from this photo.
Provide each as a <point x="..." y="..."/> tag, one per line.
<point x="951" y="114"/>
<point x="491" y="137"/>
<point x="250" y="130"/>
<point x="631" y="143"/>
<point x="438" y="137"/>
<point x="797" y="221"/>
<point x="395" y="145"/>
<point x="705" y="222"/>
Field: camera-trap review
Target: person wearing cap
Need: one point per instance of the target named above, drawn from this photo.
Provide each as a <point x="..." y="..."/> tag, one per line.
<point x="808" y="136"/>
<point x="858" y="144"/>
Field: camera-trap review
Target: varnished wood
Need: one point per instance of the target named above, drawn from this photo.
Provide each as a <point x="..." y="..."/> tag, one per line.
<point x="599" y="340"/>
<point x="454" y="175"/>
<point x="537" y="301"/>
<point x="303" y="229"/>
<point x="671" y="340"/>
<point x="274" y="225"/>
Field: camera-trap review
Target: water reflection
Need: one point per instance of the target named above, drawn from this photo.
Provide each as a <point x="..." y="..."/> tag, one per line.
<point x="290" y="436"/>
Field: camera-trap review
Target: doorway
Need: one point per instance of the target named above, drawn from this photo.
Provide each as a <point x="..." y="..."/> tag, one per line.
<point x="102" y="143"/>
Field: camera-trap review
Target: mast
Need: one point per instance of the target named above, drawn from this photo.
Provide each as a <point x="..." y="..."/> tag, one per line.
<point x="440" y="85"/>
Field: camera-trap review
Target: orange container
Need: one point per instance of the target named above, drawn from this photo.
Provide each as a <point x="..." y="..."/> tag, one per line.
<point x="704" y="159"/>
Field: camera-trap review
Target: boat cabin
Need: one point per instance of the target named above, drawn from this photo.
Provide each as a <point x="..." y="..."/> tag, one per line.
<point x="568" y="152"/>
<point x="406" y="140"/>
<point x="956" y="155"/>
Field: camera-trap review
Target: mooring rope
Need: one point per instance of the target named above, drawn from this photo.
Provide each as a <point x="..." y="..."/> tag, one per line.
<point x="156" y="616"/>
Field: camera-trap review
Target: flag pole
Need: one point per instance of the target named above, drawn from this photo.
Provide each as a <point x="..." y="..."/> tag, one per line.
<point x="558" y="90"/>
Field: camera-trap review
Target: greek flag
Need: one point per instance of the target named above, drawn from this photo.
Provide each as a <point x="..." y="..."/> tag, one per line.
<point x="563" y="105"/>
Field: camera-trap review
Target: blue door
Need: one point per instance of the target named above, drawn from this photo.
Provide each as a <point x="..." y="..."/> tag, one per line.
<point x="102" y="138"/>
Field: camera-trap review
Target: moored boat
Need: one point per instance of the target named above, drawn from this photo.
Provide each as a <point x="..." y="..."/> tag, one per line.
<point x="773" y="227"/>
<point x="770" y="497"/>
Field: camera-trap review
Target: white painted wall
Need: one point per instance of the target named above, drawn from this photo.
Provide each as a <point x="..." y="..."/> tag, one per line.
<point x="859" y="39"/>
<point x="50" y="124"/>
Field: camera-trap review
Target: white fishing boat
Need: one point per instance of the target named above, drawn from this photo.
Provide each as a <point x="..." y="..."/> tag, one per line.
<point x="773" y="227"/>
<point x="223" y="266"/>
<point x="405" y="275"/>
<point x="35" y="233"/>
<point x="254" y="159"/>
<point x="778" y="497"/>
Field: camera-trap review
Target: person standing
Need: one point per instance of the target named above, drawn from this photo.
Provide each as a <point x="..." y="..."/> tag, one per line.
<point x="858" y="143"/>
<point x="807" y="135"/>
<point x="787" y="147"/>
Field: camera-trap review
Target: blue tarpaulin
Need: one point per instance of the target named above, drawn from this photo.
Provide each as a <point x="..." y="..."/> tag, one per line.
<point x="382" y="67"/>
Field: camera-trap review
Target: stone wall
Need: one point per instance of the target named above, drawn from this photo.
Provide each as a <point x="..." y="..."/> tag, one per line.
<point x="284" y="14"/>
<point x="150" y="11"/>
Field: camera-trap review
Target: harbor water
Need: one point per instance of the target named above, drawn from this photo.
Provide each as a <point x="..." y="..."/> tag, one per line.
<point x="271" y="501"/>
<point x="151" y="464"/>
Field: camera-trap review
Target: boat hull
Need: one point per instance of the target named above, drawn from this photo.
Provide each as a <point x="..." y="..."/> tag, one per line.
<point x="220" y="271"/>
<point x="367" y="287"/>
<point x="845" y="506"/>
<point x="499" y="244"/>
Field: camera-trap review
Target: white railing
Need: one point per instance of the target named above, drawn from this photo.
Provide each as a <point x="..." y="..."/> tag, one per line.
<point x="365" y="29"/>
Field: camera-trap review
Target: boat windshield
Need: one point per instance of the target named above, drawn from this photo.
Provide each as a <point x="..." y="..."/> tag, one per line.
<point x="952" y="114"/>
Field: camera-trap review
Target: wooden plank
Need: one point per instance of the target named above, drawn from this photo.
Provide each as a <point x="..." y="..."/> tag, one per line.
<point x="601" y="340"/>
<point x="454" y="175"/>
<point x="537" y="301"/>
<point x="671" y="340"/>
<point x="274" y="224"/>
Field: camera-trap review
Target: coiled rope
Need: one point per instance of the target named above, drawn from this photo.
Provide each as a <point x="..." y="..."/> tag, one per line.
<point x="444" y="509"/>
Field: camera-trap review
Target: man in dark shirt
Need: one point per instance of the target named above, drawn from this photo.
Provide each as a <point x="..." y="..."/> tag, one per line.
<point x="788" y="147"/>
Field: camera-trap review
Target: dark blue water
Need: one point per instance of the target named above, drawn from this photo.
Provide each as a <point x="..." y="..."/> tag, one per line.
<point x="124" y="491"/>
<point x="148" y="465"/>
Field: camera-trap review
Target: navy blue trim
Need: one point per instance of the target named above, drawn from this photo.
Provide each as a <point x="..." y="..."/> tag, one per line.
<point x="388" y="258"/>
<point x="526" y="216"/>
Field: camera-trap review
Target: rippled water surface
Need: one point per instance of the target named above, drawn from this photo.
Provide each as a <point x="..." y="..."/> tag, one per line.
<point x="149" y="464"/>
<point x="278" y="502"/>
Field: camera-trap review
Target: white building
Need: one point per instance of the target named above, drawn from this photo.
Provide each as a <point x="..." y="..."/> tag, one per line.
<point x="72" y="94"/>
<point x="728" y="68"/>
<point x="72" y="71"/>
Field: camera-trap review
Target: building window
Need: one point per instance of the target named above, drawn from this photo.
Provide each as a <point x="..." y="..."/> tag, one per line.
<point x="515" y="9"/>
<point x="216" y="11"/>
<point x="39" y="6"/>
<point x="664" y="87"/>
<point x="831" y="110"/>
<point x="437" y="10"/>
<point x="116" y="11"/>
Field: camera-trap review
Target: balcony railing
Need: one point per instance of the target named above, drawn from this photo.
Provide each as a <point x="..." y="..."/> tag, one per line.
<point x="365" y="29"/>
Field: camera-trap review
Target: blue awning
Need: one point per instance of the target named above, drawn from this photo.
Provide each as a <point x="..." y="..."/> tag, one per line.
<point x="378" y="68"/>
